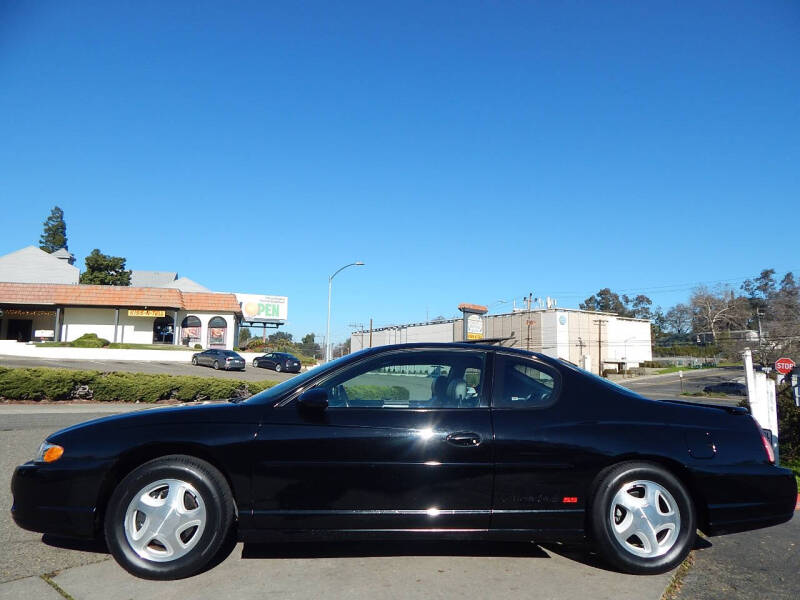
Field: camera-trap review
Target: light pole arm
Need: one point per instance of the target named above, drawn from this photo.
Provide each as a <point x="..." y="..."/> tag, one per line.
<point x="328" y="326"/>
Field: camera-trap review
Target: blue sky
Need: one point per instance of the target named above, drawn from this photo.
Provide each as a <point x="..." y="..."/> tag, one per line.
<point x="467" y="152"/>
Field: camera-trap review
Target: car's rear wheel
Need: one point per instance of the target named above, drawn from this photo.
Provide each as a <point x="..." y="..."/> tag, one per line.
<point x="216" y="365"/>
<point x="278" y="367"/>
<point x="255" y="362"/>
<point x="169" y="518"/>
<point x="194" y="361"/>
<point x="643" y="518"/>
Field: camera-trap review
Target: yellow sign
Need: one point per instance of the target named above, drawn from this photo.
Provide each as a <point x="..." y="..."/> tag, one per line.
<point x="474" y="336"/>
<point x="146" y="313"/>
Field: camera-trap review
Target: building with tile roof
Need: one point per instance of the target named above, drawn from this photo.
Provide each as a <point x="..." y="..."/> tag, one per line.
<point x="41" y="299"/>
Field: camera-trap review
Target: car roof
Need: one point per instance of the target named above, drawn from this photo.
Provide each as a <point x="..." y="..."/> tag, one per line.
<point x="457" y="346"/>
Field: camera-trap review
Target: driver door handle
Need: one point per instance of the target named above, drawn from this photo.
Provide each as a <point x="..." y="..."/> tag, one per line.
<point x="464" y="438"/>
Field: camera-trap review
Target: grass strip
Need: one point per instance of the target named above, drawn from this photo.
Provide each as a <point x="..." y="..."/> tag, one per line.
<point x="48" y="579"/>
<point x="675" y="584"/>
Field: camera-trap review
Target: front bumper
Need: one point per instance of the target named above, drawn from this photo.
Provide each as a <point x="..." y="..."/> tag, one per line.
<point x="52" y="500"/>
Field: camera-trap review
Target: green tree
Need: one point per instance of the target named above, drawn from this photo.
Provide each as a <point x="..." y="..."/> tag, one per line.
<point x="54" y="236"/>
<point x="244" y="336"/>
<point x="280" y="337"/>
<point x="102" y="269"/>
<point x="605" y="300"/>
<point x="309" y="347"/>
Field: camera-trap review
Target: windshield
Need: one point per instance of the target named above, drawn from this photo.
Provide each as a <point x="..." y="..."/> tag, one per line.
<point x="269" y="395"/>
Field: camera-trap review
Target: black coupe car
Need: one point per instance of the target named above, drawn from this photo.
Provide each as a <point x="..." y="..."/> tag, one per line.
<point x="279" y="361"/>
<point x="731" y="388"/>
<point x="501" y="444"/>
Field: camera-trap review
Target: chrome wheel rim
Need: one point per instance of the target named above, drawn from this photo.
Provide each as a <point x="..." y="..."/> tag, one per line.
<point x="165" y="520"/>
<point x="645" y="518"/>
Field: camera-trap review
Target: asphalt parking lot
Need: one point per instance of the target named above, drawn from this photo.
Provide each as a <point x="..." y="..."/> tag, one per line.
<point x="164" y="368"/>
<point x="359" y="570"/>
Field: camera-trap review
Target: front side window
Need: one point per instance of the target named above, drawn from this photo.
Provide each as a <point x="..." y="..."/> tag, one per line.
<point x="411" y="380"/>
<point x="523" y="384"/>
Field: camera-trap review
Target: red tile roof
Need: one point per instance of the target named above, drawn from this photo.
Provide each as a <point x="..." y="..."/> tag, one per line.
<point x="112" y="295"/>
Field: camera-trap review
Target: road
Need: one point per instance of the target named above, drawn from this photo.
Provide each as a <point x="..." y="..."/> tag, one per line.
<point x="164" y="368"/>
<point x="668" y="387"/>
<point x="359" y="570"/>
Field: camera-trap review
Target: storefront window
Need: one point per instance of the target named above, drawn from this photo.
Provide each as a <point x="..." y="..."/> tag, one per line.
<point x="217" y="329"/>
<point x="163" y="330"/>
<point x="190" y="331"/>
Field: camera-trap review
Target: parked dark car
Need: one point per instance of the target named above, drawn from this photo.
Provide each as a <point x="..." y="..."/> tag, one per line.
<point x="731" y="388"/>
<point x="280" y="361"/>
<point x="219" y="359"/>
<point x="369" y="446"/>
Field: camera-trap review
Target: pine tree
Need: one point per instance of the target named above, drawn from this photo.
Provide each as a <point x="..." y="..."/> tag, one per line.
<point x="54" y="236"/>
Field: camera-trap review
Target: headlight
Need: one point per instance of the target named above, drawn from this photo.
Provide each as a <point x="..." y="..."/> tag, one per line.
<point x="49" y="452"/>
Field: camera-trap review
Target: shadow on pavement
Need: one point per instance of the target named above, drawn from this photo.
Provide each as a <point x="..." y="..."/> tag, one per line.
<point x="400" y="548"/>
<point x="97" y="546"/>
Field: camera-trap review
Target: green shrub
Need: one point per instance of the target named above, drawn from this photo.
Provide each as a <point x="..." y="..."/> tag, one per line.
<point x="788" y="425"/>
<point x="198" y="346"/>
<point x="90" y="340"/>
<point x="61" y="384"/>
<point x="377" y="392"/>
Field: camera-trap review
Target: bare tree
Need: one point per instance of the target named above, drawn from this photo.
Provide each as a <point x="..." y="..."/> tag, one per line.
<point x="679" y="319"/>
<point x="717" y="310"/>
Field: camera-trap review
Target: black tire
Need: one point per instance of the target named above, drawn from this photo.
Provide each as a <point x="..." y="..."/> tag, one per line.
<point x="277" y="367"/>
<point x="194" y="361"/>
<point x="680" y="541"/>
<point x="216" y="365"/>
<point x="219" y="511"/>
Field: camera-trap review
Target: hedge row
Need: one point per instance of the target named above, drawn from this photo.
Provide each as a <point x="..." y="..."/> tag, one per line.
<point x="377" y="392"/>
<point x="62" y="384"/>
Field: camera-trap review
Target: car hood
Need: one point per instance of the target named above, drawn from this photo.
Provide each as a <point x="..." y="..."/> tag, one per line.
<point x="186" y="412"/>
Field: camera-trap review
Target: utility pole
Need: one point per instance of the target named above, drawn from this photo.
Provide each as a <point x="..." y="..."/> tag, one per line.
<point x="600" y="323"/>
<point x="530" y="298"/>
<point x="759" y="314"/>
<point x="370" y="332"/>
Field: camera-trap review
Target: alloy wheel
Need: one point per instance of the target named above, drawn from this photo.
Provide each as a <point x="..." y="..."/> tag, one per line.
<point x="165" y="520"/>
<point x="645" y="518"/>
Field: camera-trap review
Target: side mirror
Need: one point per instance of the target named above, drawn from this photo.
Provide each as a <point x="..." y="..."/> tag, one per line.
<point x="315" y="398"/>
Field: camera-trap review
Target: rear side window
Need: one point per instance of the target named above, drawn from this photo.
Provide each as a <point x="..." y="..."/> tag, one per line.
<point x="523" y="384"/>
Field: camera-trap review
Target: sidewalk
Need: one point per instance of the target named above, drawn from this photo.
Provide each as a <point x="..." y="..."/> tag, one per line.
<point x="460" y="570"/>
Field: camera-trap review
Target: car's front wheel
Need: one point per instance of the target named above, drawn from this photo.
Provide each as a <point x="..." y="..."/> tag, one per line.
<point x="194" y="361"/>
<point x="643" y="518"/>
<point x="169" y="518"/>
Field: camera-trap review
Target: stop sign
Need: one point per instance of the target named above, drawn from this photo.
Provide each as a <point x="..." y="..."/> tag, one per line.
<point x="784" y="365"/>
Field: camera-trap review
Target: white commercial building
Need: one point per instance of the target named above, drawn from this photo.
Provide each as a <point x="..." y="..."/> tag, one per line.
<point x="592" y="340"/>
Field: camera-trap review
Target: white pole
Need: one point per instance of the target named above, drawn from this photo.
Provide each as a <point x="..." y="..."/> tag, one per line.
<point x="328" y="326"/>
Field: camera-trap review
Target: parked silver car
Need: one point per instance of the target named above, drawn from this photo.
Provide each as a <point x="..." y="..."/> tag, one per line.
<point x="219" y="359"/>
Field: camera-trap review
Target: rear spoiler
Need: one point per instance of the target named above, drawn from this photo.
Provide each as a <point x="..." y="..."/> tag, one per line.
<point x="731" y="410"/>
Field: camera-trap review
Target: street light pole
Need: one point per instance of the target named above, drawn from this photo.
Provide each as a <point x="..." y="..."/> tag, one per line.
<point x="328" y="326"/>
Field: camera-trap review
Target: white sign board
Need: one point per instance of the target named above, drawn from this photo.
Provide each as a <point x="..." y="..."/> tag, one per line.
<point x="474" y="327"/>
<point x="263" y="309"/>
<point x="44" y="333"/>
